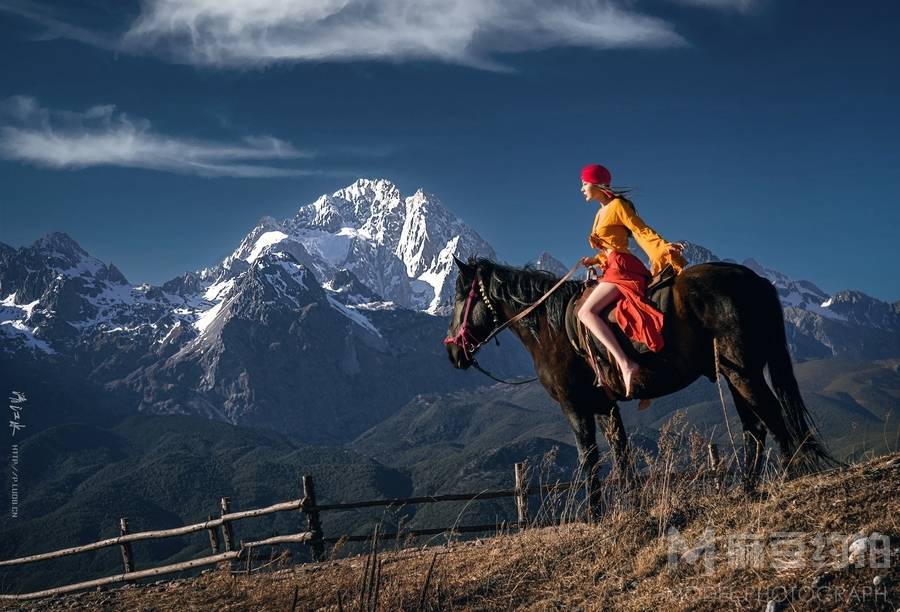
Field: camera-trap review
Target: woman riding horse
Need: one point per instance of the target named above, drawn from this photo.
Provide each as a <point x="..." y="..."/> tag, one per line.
<point x="725" y="319"/>
<point x="624" y="276"/>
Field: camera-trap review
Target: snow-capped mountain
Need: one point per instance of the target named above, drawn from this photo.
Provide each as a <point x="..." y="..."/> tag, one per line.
<point x="312" y="325"/>
<point x="56" y="295"/>
<point x="366" y="246"/>
<point x="400" y="248"/>
<point x="53" y="292"/>
<point x="857" y="307"/>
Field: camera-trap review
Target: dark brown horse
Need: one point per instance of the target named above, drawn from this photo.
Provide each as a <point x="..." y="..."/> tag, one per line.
<point x="722" y="302"/>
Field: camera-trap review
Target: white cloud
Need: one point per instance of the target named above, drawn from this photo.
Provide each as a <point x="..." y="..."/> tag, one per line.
<point x="100" y="136"/>
<point x="469" y="32"/>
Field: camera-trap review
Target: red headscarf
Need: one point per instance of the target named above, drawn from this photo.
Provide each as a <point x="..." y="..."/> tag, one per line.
<point x="596" y="175"/>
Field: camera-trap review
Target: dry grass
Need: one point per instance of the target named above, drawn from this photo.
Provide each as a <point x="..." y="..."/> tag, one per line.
<point x="620" y="562"/>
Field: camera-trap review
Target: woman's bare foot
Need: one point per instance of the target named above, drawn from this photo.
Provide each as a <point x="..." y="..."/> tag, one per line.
<point x="628" y="373"/>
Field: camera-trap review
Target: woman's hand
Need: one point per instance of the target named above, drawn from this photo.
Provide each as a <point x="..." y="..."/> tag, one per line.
<point x="587" y="262"/>
<point x="673" y="256"/>
<point x="676" y="248"/>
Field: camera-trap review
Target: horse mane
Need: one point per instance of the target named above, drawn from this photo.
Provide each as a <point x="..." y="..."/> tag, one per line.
<point x="522" y="287"/>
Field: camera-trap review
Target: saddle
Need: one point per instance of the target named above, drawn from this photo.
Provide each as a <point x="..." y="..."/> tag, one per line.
<point x="659" y="294"/>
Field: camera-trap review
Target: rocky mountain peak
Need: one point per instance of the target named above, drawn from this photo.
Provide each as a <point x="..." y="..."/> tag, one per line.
<point x="59" y="244"/>
<point x="366" y="191"/>
<point x="399" y="247"/>
<point x="549" y="263"/>
<point x="859" y="308"/>
<point x="280" y="280"/>
<point x="695" y="253"/>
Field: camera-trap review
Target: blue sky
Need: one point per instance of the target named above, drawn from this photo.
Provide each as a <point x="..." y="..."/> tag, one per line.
<point x="756" y="128"/>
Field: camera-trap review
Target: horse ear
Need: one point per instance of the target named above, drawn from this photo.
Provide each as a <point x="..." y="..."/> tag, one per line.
<point x="463" y="267"/>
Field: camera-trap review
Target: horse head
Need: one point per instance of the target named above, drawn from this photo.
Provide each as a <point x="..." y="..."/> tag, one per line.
<point x="474" y="316"/>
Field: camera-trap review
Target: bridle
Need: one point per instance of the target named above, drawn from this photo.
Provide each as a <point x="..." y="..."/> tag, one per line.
<point x="466" y="340"/>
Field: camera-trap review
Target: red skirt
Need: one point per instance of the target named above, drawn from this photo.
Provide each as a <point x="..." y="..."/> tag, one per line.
<point x="637" y="318"/>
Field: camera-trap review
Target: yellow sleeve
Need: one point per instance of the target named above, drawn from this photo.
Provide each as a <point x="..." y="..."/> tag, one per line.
<point x="652" y="243"/>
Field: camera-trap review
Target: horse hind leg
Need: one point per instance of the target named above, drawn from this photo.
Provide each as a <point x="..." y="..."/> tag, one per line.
<point x="755" y="396"/>
<point x="754" y="436"/>
<point x="742" y="362"/>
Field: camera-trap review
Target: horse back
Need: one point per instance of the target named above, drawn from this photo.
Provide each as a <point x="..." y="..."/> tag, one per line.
<point x="716" y="295"/>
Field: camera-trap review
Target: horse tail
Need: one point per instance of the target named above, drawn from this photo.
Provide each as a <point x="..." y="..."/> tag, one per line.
<point x="809" y="453"/>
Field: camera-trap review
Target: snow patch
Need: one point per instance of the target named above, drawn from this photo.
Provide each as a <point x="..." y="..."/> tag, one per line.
<point x="353" y="316"/>
<point x="12" y="323"/>
<point x="218" y="290"/>
<point x="333" y="248"/>
<point x="376" y="306"/>
<point x="265" y="240"/>
<point x="206" y="318"/>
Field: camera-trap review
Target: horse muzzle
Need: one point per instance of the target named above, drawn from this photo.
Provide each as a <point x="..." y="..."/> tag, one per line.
<point x="458" y="357"/>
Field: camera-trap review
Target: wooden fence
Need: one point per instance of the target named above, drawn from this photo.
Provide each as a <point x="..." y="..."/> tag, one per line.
<point x="313" y="537"/>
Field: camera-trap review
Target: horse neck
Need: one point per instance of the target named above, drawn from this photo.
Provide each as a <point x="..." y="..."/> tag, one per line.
<point x="508" y="310"/>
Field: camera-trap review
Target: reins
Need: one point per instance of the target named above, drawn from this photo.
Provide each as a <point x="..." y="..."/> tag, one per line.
<point x="478" y="367"/>
<point x="469" y="344"/>
<point x="527" y="311"/>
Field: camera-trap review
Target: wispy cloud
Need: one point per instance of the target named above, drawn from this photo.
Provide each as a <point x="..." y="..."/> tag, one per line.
<point x="470" y="32"/>
<point x="241" y="33"/>
<point x="55" y="27"/>
<point x="100" y="136"/>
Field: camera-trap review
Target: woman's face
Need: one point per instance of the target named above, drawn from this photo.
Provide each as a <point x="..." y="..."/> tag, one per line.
<point x="590" y="191"/>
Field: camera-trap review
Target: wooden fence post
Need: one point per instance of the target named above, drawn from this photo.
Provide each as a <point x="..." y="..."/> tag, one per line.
<point x="521" y="496"/>
<point x="227" y="531"/>
<point x="127" y="557"/>
<point x="213" y="537"/>
<point x="715" y="465"/>
<point x="314" y="526"/>
<point x="713" y="456"/>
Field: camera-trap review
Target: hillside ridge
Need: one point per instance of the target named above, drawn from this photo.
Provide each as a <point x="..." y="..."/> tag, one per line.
<point x="667" y="551"/>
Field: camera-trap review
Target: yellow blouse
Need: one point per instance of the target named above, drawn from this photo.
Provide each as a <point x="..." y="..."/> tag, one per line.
<point x="610" y="232"/>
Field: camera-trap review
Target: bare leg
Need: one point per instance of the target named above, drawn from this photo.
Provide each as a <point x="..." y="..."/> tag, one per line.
<point x="589" y="314"/>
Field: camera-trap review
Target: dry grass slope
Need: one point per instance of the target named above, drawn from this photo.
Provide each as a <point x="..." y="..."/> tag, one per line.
<point x="622" y="562"/>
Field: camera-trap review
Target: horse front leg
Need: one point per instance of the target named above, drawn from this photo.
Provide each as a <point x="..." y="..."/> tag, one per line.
<point x="614" y="431"/>
<point x="585" y="430"/>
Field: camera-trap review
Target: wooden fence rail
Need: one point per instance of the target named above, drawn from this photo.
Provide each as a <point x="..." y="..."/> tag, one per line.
<point x="312" y="537"/>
